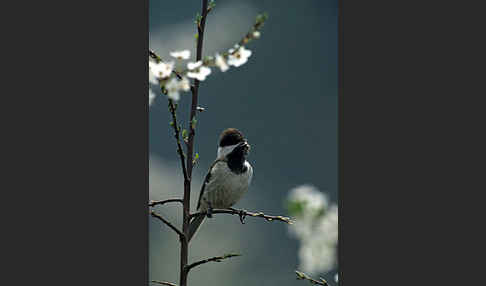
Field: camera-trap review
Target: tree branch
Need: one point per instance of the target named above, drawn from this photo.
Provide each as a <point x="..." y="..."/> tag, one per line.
<point x="186" y="219"/>
<point x="180" y="233"/>
<point x="303" y="276"/>
<point x="154" y="203"/>
<point x="175" y="125"/>
<point x="172" y="110"/>
<point x="163" y="283"/>
<point x="260" y="20"/>
<point x="205" y="13"/>
<point x="154" y="56"/>
<point x="212" y="259"/>
<point x="244" y="213"/>
<point x="195" y="91"/>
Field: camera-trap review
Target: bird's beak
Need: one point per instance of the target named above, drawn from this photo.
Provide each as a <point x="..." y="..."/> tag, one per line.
<point x="247" y="147"/>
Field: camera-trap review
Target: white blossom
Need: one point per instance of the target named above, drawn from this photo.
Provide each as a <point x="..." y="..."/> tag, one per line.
<point x="316" y="226"/>
<point x="256" y="34"/>
<point x="198" y="71"/>
<point x="316" y="257"/>
<point x="238" y="57"/>
<point x="152" y="78"/>
<point x="328" y="224"/>
<point x="151" y="97"/>
<point x="309" y="195"/>
<point x="221" y="63"/>
<point x="184" y="84"/>
<point x="336" y="278"/>
<point x="174" y="87"/>
<point x="181" y="55"/>
<point x="161" y="69"/>
<point x="195" y="65"/>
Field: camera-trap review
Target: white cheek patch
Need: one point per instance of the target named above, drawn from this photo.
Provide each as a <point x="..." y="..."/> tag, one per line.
<point x="223" y="151"/>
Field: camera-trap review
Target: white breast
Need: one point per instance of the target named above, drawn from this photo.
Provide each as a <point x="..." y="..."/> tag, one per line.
<point x="225" y="188"/>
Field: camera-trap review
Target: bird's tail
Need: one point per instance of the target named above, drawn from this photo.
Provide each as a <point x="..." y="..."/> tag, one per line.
<point x="194" y="226"/>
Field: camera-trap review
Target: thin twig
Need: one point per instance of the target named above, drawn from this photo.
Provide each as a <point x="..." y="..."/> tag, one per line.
<point x="260" y="20"/>
<point x="303" y="276"/>
<point x="164" y="283"/>
<point x="244" y="213"/>
<point x="154" y="56"/>
<point x="177" y="130"/>
<point x="212" y="259"/>
<point x="154" y="203"/>
<point x="175" y="125"/>
<point x="199" y="48"/>
<point x="180" y="233"/>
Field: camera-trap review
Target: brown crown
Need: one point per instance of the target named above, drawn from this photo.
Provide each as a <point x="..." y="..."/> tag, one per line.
<point x="230" y="136"/>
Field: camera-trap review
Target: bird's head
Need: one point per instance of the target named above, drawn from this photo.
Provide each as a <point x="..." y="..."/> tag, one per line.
<point x="231" y="140"/>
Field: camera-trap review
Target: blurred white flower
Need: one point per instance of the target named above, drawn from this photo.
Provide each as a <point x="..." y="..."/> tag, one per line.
<point x="195" y="65"/>
<point x="181" y="55"/>
<point x="201" y="74"/>
<point x="221" y="63"/>
<point x="173" y="87"/>
<point x="256" y="34"/>
<point x="198" y="71"/>
<point x="313" y="199"/>
<point x="161" y="69"/>
<point x="152" y="78"/>
<point x="336" y="278"/>
<point x="239" y="57"/>
<point x="328" y="225"/>
<point x="151" y="97"/>
<point x="316" y="257"/>
<point x="184" y="84"/>
<point x="316" y="226"/>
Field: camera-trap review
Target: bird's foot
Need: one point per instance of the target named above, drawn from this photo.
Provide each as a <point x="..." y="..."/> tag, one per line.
<point x="241" y="214"/>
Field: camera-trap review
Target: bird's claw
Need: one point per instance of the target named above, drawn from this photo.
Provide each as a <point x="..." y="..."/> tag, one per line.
<point x="242" y="215"/>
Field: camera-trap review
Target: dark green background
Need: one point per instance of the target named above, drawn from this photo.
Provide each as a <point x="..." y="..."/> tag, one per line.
<point x="284" y="99"/>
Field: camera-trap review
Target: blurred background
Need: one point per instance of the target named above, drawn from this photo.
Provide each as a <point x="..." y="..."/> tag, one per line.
<point x="284" y="100"/>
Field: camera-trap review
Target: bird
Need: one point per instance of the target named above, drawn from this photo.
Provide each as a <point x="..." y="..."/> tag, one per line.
<point x="228" y="178"/>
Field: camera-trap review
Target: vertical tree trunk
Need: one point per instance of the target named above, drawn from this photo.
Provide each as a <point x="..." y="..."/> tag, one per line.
<point x="190" y="150"/>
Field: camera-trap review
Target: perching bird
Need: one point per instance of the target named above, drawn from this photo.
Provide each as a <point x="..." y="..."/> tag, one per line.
<point x="228" y="178"/>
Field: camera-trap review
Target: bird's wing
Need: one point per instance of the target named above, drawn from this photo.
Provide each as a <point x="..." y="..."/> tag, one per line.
<point x="206" y="181"/>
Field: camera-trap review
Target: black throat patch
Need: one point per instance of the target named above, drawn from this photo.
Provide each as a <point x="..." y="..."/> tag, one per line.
<point x="236" y="160"/>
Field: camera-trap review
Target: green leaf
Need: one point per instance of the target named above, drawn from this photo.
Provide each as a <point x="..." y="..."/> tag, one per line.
<point x="193" y="123"/>
<point x="196" y="157"/>
<point x="198" y="19"/>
